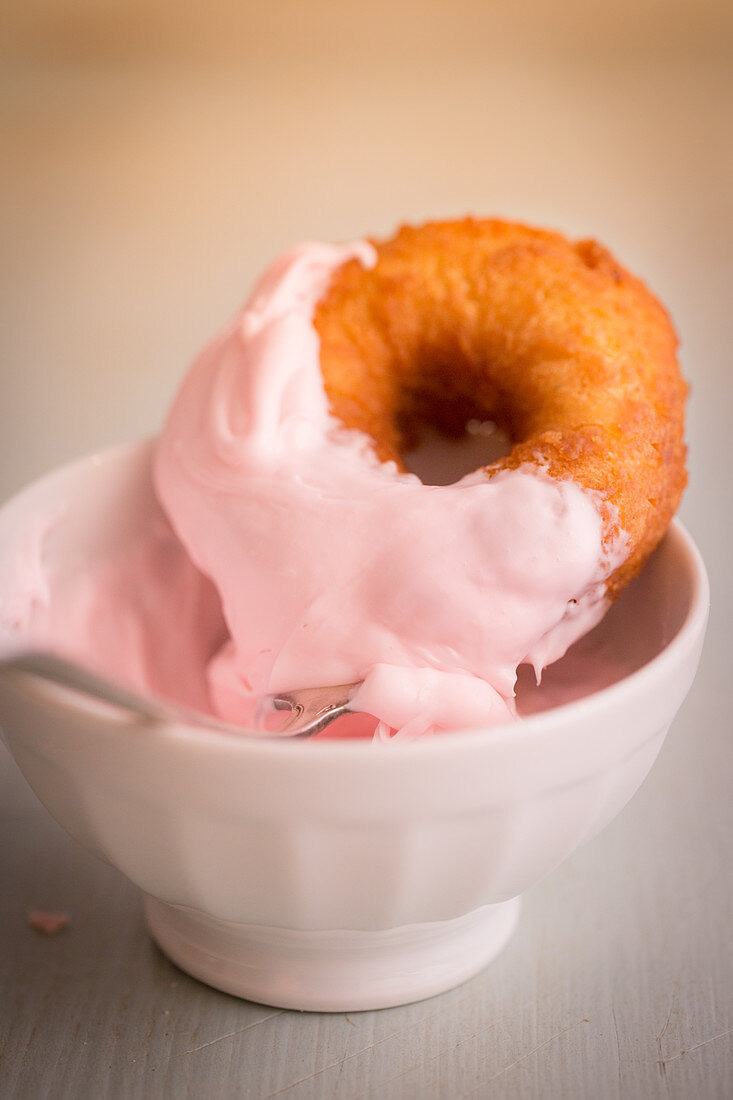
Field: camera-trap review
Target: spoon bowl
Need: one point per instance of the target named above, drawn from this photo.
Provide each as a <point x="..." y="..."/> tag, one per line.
<point x="310" y="710"/>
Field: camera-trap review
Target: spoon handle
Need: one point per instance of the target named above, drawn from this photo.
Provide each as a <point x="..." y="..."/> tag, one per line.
<point x="311" y="709"/>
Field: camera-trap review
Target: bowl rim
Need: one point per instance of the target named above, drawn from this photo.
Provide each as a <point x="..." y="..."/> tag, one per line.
<point x="539" y="726"/>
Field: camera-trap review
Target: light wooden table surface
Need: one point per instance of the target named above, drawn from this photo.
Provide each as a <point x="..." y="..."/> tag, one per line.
<point x="140" y="198"/>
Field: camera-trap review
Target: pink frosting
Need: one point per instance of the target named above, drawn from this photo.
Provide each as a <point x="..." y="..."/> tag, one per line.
<point x="137" y="612"/>
<point x="333" y="567"/>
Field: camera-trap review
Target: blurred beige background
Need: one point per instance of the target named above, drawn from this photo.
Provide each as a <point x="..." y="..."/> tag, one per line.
<point x="156" y="156"/>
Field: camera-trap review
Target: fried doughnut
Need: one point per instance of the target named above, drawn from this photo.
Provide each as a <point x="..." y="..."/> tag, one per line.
<point x="552" y="339"/>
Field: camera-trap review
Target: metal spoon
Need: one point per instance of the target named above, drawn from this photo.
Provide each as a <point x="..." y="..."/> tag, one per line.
<point x="311" y="709"/>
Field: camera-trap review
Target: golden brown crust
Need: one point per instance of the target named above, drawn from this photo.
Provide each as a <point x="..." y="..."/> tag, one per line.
<point x="553" y="339"/>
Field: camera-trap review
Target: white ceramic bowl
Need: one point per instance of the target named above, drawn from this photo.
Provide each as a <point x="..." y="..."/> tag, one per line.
<point x="339" y="875"/>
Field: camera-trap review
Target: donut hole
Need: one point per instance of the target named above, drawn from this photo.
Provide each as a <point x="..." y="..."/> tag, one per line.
<point x="440" y="459"/>
<point x="444" y="432"/>
<point x="429" y="404"/>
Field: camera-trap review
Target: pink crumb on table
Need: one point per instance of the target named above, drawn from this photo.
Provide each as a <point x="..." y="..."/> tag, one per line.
<point x="46" y="921"/>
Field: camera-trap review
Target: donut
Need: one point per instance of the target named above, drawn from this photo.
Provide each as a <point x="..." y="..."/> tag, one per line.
<point x="551" y="339"/>
<point x="284" y="467"/>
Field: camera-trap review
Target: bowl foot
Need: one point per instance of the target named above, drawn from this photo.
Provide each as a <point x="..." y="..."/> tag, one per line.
<point x="331" y="971"/>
